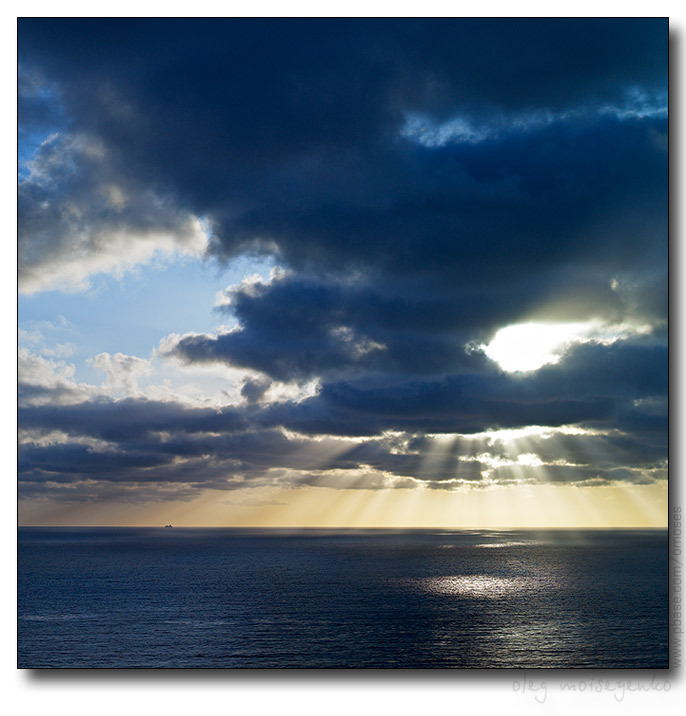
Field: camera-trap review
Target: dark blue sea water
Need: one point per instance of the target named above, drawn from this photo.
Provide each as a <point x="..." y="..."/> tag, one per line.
<point x="228" y="598"/>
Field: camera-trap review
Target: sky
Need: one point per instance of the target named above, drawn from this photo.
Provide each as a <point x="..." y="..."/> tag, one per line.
<point x="383" y="273"/>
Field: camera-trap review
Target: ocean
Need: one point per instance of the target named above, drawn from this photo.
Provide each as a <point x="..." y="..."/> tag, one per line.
<point x="332" y="599"/>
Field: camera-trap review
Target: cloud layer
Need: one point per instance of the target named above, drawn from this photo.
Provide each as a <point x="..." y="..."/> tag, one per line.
<point x="422" y="183"/>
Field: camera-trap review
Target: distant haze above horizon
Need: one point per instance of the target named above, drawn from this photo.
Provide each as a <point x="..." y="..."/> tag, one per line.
<point x="343" y="272"/>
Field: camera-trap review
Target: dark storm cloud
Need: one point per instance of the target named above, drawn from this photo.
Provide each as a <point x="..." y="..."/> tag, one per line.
<point x="595" y="451"/>
<point x="144" y="434"/>
<point x="596" y="384"/>
<point x="573" y="475"/>
<point x="505" y="209"/>
<point x="62" y="460"/>
<point x="333" y="82"/>
<point x="287" y="136"/>
<point x="206" y="455"/>
<point x="289" y="132"/>
<point x="250" y="458"/>
<point x="254" y="390"/>
<point x="426" y="182"/>
<point x="474" y="259"/>
<point x="128" y="418"/>
<point x="297" y="329"/>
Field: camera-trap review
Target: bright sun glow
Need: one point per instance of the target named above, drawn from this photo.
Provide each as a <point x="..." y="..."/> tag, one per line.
<point x="525" y="347"/>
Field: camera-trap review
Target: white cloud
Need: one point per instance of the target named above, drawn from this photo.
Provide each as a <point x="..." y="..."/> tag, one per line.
<point x="249" y="286"/>
<point x="122" y="371"/>
<point x="61" y="350"/>
<point x="80" y="214"/>
<point x="46" y="381"/>
<point x="461" y="129"/>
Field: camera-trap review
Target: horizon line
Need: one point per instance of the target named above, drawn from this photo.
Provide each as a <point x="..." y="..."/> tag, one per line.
<point x="606" y="528"/>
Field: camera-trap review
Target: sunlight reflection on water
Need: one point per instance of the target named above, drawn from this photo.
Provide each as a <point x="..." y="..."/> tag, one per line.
<point x="512" y="543"/>
<point x="479" y="585"/>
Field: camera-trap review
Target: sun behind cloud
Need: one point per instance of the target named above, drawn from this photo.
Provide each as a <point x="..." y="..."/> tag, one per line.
<point x="410" y="283"/>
